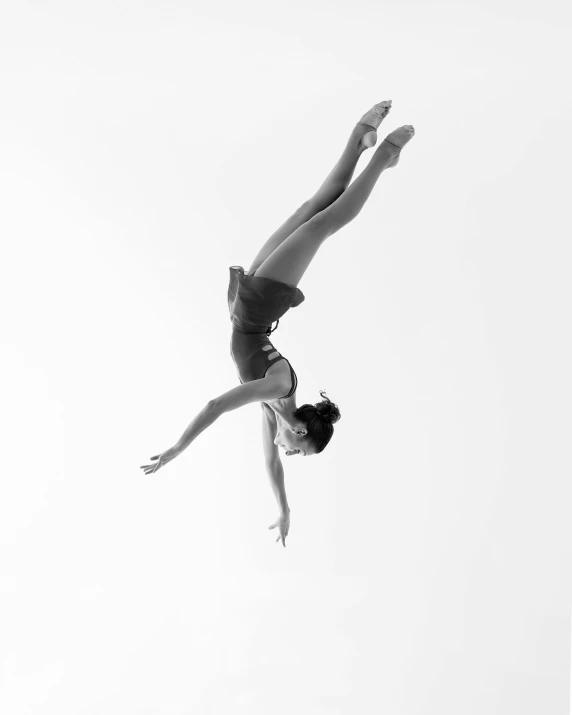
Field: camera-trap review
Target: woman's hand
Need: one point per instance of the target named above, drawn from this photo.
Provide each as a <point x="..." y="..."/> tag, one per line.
<point x="162" y="460"/>
<point x="283" y="524"/>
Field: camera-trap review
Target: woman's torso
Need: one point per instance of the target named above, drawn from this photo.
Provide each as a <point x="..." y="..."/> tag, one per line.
<point x="256" y="358"/>
<point x="255" y="304"/>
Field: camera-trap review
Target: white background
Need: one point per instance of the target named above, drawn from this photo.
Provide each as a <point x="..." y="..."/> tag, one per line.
<point x="144" y="148"/>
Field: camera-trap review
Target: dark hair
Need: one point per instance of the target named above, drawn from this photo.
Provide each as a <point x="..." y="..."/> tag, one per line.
<point x="319" y="420"/>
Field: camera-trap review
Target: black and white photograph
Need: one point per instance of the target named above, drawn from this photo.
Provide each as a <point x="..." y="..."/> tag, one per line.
<point x="285" y="357"/>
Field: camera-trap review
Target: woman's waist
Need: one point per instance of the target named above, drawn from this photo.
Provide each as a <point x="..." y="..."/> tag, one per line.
<point x="243" y="326"/>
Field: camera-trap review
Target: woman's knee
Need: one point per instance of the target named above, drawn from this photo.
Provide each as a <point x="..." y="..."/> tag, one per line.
<point x="307" y="211"/>
<point x="317" y="225"/>
<point x="323" y="199"/>
<point x="324" y="223"/>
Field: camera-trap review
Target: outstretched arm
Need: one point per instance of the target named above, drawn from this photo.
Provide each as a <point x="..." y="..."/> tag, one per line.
<point x="267" y="388"/>
<point x="204" y="419"/>
<point x="275" y="471"/>
<point x="272" y="461"/>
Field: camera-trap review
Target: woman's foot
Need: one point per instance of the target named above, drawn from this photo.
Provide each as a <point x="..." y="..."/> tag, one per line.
<point x="398" y="139"/>
<point x="372" y="119"/>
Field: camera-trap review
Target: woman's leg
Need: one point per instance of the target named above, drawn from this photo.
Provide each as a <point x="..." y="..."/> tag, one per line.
<point x="335" y="184"/>
<point x="289" y="261"/>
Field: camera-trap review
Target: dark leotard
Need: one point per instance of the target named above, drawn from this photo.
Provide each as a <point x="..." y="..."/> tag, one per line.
<point x="255" y="303"/>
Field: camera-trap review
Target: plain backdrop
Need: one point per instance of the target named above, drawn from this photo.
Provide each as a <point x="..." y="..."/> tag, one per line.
<point x="145" y="147"/>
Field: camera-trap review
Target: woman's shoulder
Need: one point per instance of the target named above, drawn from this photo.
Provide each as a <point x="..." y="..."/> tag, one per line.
<point x="282" y="374"/>
<point x="280" y="369"/>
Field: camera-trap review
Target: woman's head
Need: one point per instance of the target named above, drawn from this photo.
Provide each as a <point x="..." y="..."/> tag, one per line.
<point x="312" y="428"/>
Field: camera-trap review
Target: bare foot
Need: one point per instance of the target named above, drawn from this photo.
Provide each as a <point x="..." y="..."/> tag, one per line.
<point x="372" y="119"/>
<point x="398" y="139"/>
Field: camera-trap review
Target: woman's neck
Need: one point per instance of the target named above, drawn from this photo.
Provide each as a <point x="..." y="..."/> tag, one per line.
<point x="284" y="408"/>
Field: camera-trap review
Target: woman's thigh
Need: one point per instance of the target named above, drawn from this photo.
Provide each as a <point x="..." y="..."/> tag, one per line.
<point x="289" y="261"/>
<point x="297" y="219"/>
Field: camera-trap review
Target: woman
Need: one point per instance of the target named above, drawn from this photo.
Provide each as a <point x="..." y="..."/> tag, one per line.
<point x="263" y="295"/>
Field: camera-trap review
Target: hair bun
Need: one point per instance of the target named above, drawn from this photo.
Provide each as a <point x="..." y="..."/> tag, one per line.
<point x="327" y="410"/>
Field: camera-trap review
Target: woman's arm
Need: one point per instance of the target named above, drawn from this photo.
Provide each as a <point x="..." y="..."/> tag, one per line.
<point x="276" y="474"/>
<point x="274" y="467"/>
<point x="204" y="419"/>
<point x="275" y="471"/>
<point x="267" y="388"/>
<point x="269" y="429"/>
<point x="264" y="389"/>
<point x="270" y="387"/>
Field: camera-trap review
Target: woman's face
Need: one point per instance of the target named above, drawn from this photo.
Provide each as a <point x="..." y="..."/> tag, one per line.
<point x="293" y="440"/>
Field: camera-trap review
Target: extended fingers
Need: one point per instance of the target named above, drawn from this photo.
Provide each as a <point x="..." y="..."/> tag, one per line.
<point x="151" y="467"/>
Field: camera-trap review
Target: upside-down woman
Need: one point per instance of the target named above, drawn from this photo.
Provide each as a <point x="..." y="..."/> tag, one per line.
<point x="261" y="296"/>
